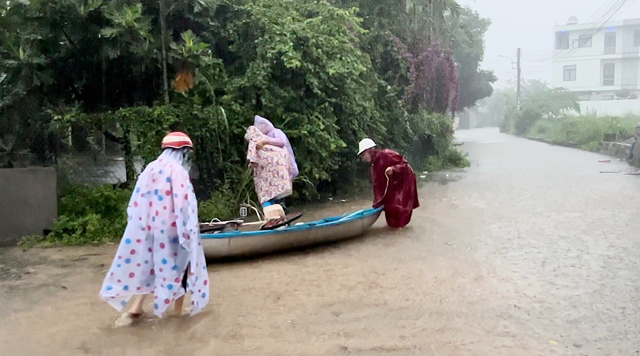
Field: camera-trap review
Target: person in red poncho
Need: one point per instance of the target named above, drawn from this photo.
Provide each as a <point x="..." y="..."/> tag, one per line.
<point x="394" y="183"/>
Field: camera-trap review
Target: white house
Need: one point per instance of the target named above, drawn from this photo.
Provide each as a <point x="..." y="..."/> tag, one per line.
<point x="600" y="63"/>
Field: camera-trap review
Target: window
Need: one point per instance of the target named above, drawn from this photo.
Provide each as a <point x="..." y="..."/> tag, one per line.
<point x="584" y="41"/>
<point x="609" y="43"/>
<point x="562" y="40"/>
<point x="569" y="73"/>
<point x="608" y="73"/>
<point x="636" y="38"/>
<point x="607" y="97"/>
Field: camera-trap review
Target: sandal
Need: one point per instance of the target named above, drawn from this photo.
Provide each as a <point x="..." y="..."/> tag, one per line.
<point x="127" y="319"/>
<point x="276" y="223"/>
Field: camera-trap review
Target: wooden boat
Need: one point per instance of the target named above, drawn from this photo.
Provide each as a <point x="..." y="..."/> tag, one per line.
<point x="245" y="239"/>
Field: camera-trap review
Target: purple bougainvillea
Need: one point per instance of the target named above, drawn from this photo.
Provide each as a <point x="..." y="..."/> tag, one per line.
<point x="433" y="77"/>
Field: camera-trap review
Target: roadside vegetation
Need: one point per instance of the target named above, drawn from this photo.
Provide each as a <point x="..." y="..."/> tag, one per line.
<point x="77" y="76"/>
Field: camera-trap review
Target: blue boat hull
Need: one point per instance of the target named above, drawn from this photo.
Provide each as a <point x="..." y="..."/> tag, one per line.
<point x="252" y="243"/>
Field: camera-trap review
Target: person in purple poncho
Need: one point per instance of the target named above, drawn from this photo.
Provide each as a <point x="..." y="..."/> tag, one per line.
<point x="276" y="138"/>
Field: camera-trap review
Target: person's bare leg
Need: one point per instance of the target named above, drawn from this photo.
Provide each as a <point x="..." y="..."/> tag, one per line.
<point x="178" y="305"/>
<point x="134" y="313"/>
<point x="136" y="304"/>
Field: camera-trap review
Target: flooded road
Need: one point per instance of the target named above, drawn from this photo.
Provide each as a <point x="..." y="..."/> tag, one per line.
<point x="530" y="251"/>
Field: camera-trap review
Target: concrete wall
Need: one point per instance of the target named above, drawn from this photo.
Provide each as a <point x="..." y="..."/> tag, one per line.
<point x="611" y="107"/>
<point x="615" y="149"/>
<point x="28" y="202"/>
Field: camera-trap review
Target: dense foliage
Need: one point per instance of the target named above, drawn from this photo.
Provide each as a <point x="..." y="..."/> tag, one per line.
<point x="326" y="72"/>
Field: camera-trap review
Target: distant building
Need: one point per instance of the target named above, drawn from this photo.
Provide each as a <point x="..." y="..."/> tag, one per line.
<point x="600" y="63"/>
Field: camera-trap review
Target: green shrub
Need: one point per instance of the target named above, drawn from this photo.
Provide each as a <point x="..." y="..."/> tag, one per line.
<point x="221" y="205"/>
<point x="104" y="200"/>
<point x="87" y="229"/>
<point x="586" y="132"/>
<point x="433" y="148"/>
<point x="591" y="146"/>
<point x="451" y="158"/>
<point x="542" y="129"/>
<point x="90" y="214"/>
<point x="525" y="120"/>
<point x="96" y="214"/>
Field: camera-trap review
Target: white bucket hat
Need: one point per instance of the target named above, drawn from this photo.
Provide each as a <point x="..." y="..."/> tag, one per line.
<point x="365" y="144"/>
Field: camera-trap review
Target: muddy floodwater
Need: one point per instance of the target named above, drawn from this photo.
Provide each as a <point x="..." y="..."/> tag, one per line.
<point x="530" y="251"/>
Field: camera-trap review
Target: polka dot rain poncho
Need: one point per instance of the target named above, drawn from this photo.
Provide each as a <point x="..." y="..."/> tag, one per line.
<point x="161" y="238"/>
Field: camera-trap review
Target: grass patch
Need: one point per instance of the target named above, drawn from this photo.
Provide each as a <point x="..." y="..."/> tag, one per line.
<point x="450" y="158"/>
<point x="221" y="205"/>
<point x="585" y="132"/>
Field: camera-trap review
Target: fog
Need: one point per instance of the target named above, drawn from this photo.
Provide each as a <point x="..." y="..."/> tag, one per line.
<point x="529" y="25"/>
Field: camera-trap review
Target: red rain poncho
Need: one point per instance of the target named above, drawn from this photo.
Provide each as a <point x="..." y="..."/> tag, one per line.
<point x="401" y="195"/>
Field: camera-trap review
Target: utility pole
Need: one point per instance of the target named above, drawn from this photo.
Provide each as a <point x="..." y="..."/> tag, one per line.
<point x="518" y="83"/>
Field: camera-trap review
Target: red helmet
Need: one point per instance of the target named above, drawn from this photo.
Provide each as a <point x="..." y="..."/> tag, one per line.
<point x="176" y="140"/>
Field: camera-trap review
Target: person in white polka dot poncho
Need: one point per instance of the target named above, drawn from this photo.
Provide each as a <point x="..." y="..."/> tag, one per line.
<point x="161" y="240"/>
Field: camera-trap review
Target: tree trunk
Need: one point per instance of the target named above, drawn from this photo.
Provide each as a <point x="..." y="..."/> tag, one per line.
<point x="103" y="59"/>
<point x="431" y="21"/>
<point x="129" y="162"/>
<point x="258" y="101"/>
<point x="163" y="38"/>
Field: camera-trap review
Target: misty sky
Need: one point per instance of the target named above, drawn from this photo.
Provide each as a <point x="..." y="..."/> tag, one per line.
<point x="529" y="25"/>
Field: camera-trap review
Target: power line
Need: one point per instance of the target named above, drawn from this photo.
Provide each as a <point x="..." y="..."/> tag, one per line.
<point x="615" y="8"/>
<point x="597" y="29"/>
<point x="594" y="18"/>
<point x="612" y="12"/>
<point x="601" y="16"/>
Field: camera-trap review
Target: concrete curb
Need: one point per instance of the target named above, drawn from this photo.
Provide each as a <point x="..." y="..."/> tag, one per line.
<point x="614" y="149"/>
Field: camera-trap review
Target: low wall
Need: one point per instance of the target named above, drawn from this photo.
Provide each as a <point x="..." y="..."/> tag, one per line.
<point x="615" y="149"/>
<point x="29" y="202"/>
<point x="611" y="107"/>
